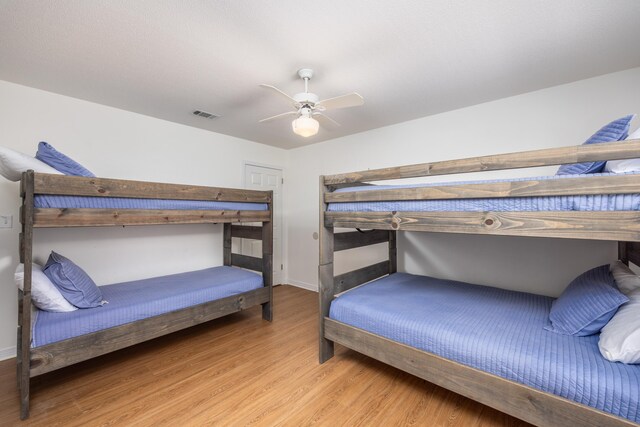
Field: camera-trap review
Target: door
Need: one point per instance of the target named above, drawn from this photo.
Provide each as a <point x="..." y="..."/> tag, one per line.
<point x="267" y="178"/>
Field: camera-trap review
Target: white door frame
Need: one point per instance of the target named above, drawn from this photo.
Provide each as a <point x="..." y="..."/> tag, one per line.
<point x="283" y="228"/>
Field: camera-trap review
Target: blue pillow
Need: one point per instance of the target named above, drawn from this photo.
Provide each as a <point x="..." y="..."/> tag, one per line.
<point x="615" y="131"/>
<point x="74" y="284"/>
<point x="588" y="303"/>
<point x="49" y="155"/>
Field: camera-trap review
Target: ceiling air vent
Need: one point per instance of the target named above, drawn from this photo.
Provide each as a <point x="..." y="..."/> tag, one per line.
<point x="205" y="114"/>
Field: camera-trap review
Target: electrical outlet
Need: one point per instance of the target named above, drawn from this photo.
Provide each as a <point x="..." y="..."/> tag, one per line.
<point x="6" y="221"/>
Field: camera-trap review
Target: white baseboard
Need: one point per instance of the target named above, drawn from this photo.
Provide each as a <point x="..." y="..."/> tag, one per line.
<point x="7" y="353"/>
<point x="303" y="285"/>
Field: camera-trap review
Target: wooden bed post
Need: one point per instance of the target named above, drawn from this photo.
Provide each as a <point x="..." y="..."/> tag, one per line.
<point x="267" y="261"/>
<point x="24" y="298"/>
<point x="325" y="276"/>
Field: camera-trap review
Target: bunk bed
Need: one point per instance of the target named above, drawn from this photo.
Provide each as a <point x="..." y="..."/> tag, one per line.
<point x="382" y="313"/>
<point x="179" y="301"/>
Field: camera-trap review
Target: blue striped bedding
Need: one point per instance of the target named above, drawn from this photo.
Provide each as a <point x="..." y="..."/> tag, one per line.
<point x="68" y="202"/>
<point x="607" y="202"/>
<point x="131" y="301"/>
<point x="495" y="330"/>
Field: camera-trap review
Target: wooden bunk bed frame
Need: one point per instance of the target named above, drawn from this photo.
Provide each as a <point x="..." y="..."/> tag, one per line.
<point x="518" y="400"/>
<point x="36" y="361"/>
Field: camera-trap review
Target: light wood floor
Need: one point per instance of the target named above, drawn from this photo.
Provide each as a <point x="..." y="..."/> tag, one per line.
<point x="236" y="371"/>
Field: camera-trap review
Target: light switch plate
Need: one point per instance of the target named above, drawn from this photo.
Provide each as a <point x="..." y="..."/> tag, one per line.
<point x="6" y="221"/>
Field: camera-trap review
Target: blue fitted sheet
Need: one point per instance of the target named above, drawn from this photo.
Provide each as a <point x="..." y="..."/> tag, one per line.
<point x="494" y="330"/>
<point x="139" y="299"/>
<point x="62" y="202"/>
<point x="606" y="202"/>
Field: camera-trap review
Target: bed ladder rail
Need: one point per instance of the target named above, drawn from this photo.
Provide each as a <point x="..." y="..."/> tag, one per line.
<point x="263" y="264"/>
<point x="329" y="285"/>
<point x="239" y="260"/>
<point x="358" y="239"/>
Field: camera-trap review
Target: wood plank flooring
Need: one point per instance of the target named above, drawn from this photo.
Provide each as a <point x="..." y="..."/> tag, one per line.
<point x="240" y="370"/>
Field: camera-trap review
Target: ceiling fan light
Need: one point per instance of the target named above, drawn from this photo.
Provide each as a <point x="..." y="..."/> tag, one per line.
<point x="305" y="126"/>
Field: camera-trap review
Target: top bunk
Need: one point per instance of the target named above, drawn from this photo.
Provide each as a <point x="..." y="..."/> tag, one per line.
<point x="75" y="201"/>
<point x="603" y="206"/>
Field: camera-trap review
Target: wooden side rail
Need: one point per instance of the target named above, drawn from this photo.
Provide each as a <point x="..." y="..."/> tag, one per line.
<point x="107" y="187"/>
<point x="67" y="352"/>
<point x="596" y="225"/>
<point x="524" y="402"/>
<point x="546" y="157"/>
<point x="616" y="184"/>
<point x="54" y="218"/>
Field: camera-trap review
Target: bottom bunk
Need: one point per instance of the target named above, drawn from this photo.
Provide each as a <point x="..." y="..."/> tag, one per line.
<point x="488" y="344"/>
<point x="140" y="310"/>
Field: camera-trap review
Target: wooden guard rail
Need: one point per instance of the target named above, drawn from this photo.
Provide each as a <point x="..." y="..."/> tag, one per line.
<point x="546" y="157"/>
<point x="620" y="184"/>
<point x="599" y="225"/>
<point x="106" y="187"/>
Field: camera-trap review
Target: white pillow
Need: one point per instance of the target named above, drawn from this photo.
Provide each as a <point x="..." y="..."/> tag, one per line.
<point x="13" y="163"/>
<point x="620" y="338"/>
<point x="44" y="294"/>
<point x="626" y="279"/>
<point x="622" y="166"/>
<point x="626" y="165"/>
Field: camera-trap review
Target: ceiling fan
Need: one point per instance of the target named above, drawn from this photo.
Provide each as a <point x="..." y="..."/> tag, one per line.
<point x="308" y="107"/>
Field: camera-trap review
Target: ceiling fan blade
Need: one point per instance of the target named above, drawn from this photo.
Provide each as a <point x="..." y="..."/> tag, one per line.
<point x="345" y="101"/>
<point x="281" y="93"/>
<point x="325" y="121"/>
<point x="288" y="113"/>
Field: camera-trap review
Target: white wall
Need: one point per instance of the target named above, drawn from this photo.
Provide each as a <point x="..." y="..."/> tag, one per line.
<point x="119" y="144"/>
<point x="558" y="116"/>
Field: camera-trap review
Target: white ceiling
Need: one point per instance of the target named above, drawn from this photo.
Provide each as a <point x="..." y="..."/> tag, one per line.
<point x="408" y="58"/>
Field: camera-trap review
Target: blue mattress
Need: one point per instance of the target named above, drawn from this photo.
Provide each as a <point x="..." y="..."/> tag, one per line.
<point x="131" y="301"/>
<point x="69" y="202"/>
<point x="606" y="202"/>
<point x="494" y="330"/>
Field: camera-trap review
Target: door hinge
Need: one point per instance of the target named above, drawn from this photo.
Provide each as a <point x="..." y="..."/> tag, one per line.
<point x="281" y="266"/>
<point x="282" y="180"/>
